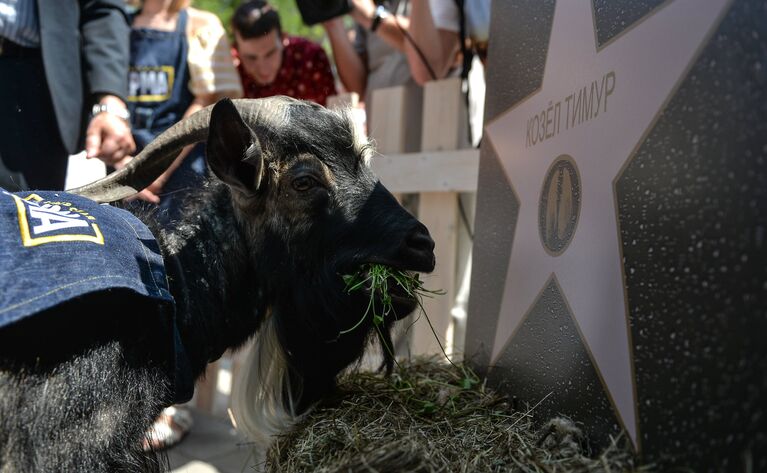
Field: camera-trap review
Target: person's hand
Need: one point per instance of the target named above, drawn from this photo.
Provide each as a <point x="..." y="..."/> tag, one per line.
<point x="152" y="192"/>
<point x="108" y="136"/>
<point x="363" y="12"/>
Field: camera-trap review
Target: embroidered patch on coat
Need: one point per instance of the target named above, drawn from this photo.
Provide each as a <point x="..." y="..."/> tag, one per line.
<point x="42" y="221"/>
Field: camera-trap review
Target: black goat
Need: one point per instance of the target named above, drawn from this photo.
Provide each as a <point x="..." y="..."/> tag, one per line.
<point x="260" y="249"/>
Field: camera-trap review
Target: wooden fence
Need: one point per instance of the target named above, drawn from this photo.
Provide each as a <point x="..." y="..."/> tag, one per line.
<point x="422" y="139"/>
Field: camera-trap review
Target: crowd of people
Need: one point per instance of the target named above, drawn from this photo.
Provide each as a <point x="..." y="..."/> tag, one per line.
<point x="108" y="76"/>
<point x="89" y="75"/>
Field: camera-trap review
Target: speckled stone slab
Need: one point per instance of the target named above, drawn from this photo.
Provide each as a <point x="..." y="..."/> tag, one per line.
<point x="690" y="219"/>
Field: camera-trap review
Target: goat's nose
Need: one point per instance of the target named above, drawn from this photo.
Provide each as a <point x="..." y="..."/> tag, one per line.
<point x="420" y="240"/>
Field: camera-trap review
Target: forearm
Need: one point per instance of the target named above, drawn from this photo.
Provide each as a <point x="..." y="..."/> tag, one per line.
<point x="351" y="69"/>
<point x="432" y="43"/>
<point x="429" y="51"/>
<point x="389" y="29"/>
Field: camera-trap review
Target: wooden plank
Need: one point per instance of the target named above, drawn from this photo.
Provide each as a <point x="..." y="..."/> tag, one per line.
<point x="394" y="125"/>
<point x="439" y="212"/>
<point x="445" y="118"/>
<point x="205" y="390"/>
<point x="344" y="100"/>
<point x="463" y="273"/>
<point x="395" y="119"/>
<point x="430" y="171"/>
<point x="444" y="126"/>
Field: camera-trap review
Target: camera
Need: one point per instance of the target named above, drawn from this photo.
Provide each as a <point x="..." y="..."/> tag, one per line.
<point x="317" y="11"/>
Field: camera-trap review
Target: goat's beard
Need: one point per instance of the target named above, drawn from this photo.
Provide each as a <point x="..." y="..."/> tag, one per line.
<point x="258" y="398"/>
<point x="279" y="382"/>
<point x="294" y="360"/>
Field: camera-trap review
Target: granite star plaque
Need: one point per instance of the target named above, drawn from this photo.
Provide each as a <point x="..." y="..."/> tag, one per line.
<point x="623" y="238"/>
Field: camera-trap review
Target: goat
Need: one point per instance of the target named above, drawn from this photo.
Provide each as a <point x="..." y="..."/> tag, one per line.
<point x="292" y="205"/>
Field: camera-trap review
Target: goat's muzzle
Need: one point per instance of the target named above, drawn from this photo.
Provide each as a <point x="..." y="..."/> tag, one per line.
<point x="418" y="250"/>
<point x="420" y="247"/>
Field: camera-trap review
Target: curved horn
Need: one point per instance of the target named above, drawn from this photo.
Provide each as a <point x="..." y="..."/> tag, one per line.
<point x="160" y="153"/>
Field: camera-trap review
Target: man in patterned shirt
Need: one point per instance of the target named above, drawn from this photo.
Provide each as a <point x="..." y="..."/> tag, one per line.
<point x="271" y="63"/>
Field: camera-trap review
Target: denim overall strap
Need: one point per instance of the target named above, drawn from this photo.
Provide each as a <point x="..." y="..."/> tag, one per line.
<point x="158" y="80"/>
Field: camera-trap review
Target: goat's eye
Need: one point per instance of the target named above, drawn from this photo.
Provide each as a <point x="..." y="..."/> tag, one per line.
<point x="304" y="183"/>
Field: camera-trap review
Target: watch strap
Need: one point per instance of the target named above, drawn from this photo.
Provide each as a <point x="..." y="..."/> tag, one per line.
<point x="380" y="13"/>
<point x="116" y="110"/>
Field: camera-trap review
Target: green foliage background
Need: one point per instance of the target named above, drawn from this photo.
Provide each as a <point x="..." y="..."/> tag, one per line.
<point x="289" y="16"/>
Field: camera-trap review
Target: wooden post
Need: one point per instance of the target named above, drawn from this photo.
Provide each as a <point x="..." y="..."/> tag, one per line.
<point x="205" y="390"/>
<point x="394" y="124"/>
<point x="395" y="119"/>
<point x="444" y="128"/>
<point x="429" y="171"/>
<point x="347" y="99"/>
<point x="445" y="120"/>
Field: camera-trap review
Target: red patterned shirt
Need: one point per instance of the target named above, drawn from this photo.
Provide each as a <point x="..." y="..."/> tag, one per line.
<point x="305" y="74"/>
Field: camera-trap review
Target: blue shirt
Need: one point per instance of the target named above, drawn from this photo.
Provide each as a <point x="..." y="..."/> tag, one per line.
<point x="19" y="22"/>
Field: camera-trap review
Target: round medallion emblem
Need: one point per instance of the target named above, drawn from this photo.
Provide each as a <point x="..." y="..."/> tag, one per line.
<point x="560" y="205"/>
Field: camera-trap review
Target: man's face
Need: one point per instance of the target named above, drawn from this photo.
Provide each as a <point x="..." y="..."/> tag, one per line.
<point x="261" y="57"/>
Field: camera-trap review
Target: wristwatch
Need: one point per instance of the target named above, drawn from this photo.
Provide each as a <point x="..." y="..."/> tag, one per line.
<point x="380" y="14"/>
<point x="116" y="110"/>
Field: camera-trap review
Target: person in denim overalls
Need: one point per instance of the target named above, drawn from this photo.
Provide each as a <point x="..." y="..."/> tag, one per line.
<point x="159" y="96"/>
<point x="175" y="70"/>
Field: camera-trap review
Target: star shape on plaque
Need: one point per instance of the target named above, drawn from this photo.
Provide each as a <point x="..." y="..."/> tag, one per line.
<point x="563" y="148"/>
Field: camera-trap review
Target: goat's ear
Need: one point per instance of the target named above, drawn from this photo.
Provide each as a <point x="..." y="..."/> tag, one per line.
<point x="233" y="150"/>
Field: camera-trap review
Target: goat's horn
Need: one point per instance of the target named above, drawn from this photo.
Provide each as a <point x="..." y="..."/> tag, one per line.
<point x="160" y="153"/>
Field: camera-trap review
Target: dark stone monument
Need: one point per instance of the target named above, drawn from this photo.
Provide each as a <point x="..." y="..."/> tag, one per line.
<point x="620" y="257"/>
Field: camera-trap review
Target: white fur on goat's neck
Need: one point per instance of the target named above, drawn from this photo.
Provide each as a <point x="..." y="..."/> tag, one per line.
<point x="258" y="401"/>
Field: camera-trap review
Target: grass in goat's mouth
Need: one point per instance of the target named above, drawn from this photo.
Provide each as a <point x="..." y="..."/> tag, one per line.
<point x="380" y="281"/>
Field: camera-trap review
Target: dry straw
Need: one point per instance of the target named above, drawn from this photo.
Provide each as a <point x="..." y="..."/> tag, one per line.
<point x="430" y="416"/>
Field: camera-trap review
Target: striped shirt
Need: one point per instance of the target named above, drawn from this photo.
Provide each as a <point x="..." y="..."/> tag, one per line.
<point x="19" y="22"/>
<point x="209" y="59"/>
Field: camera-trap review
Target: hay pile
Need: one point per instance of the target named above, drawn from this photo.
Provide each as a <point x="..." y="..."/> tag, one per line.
<point x="433" y="417"/>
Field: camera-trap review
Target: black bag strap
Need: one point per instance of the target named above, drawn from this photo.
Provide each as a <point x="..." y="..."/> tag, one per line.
<point x="466" y="52"/>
